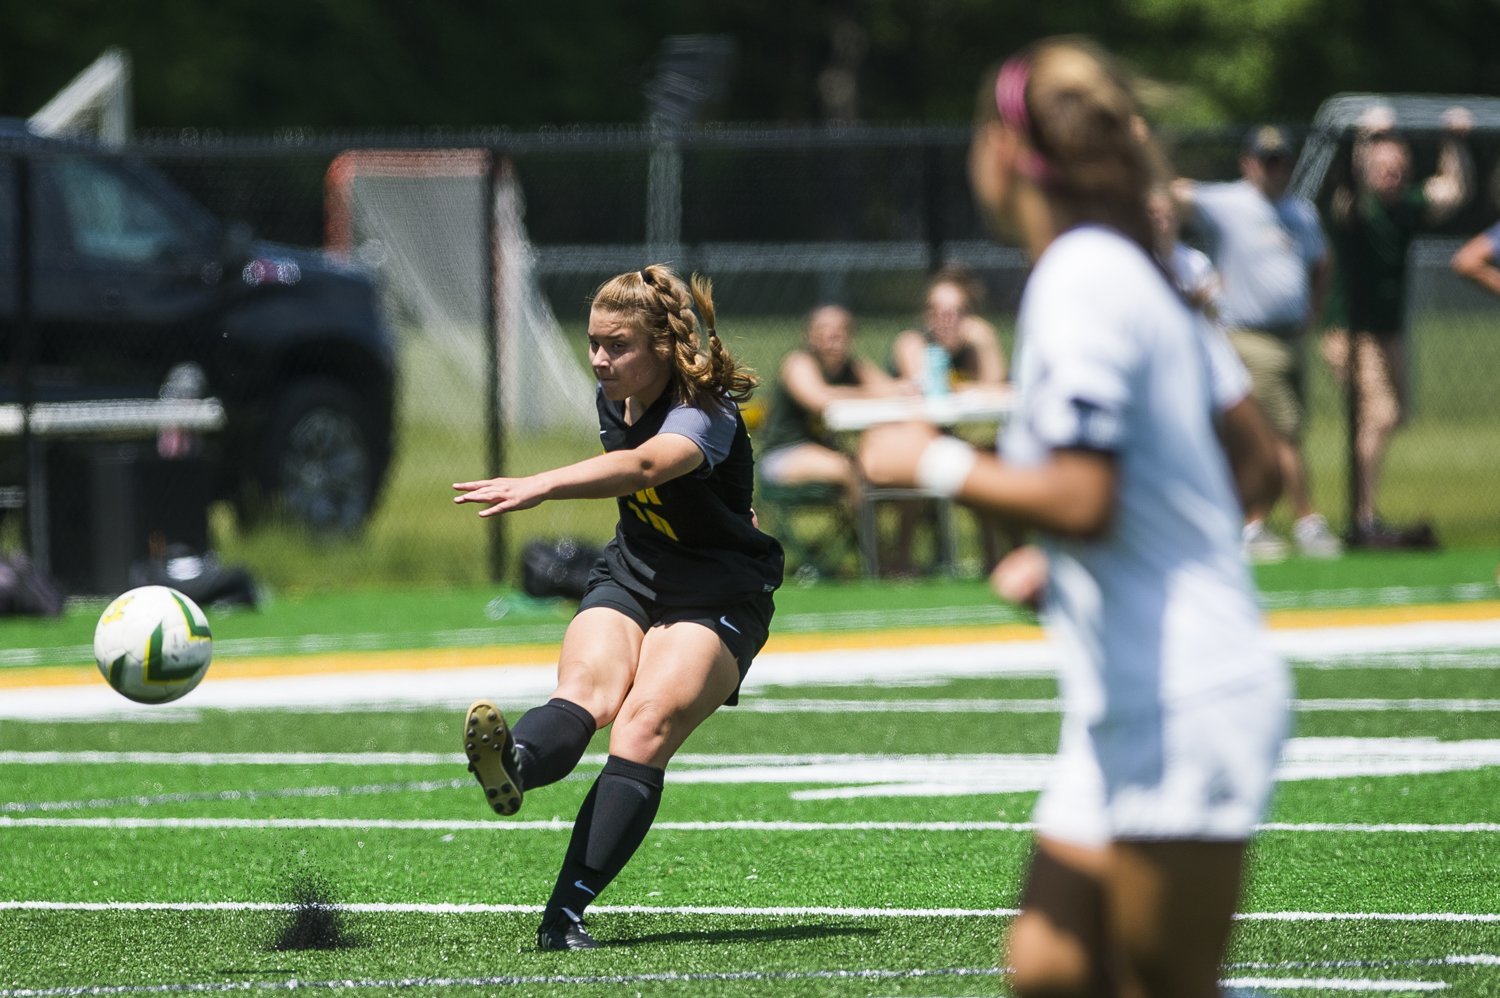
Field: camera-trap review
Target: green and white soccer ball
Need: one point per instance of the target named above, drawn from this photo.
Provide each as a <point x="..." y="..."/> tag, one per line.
<point x="153" y="644"/>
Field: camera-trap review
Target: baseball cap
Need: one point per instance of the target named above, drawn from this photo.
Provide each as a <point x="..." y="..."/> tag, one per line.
<point x="1268" y="142"/>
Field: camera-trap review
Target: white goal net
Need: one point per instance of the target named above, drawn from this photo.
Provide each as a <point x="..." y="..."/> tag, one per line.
<point x="418" y="217"/>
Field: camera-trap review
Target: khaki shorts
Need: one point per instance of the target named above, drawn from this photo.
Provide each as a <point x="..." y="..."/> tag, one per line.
<point x="1382" y="374"/>
<point x="1276" y="372"/>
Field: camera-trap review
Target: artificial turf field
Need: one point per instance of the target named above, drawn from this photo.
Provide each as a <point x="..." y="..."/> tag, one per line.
<point x="858" y="826"/>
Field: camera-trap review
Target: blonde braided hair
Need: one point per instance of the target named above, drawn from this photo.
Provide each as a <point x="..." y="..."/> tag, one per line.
<point x="674" y="312"/>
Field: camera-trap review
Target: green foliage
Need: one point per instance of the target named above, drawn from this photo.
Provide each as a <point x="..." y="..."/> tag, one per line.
<point x="353" y="64"/>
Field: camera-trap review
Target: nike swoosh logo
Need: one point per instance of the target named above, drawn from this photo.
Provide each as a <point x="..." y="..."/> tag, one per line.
<point x="725" y="621"/>
<point x="584" y="887"/>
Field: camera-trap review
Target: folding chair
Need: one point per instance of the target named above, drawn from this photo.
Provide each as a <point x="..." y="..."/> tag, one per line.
<point x="814" y="524"/>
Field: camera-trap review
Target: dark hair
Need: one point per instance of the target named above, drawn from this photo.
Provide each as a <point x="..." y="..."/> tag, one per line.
<point x="673" y="312"/>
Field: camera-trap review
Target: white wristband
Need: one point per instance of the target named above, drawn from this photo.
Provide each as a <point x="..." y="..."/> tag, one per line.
<point x="944" y="466"/>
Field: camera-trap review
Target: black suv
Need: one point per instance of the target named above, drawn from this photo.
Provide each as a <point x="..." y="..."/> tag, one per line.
<point x="136" y="286"/>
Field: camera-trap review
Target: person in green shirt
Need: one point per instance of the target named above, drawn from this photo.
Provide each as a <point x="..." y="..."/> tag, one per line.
<point x="1373" y="222"/>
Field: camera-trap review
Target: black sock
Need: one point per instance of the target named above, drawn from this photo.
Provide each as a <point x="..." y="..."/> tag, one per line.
<point x="611" y="825"/>
<point x="550" y="740"/>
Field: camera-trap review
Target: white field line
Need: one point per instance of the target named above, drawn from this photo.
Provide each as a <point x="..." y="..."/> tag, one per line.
<point x="1356" y="985"/>
<point x="1054" y="706"/>
<point x="392" y="984"/>
<point x="830" y="776"/>
<point x="726" y="911"/>
<point x="667" y="977"/>
<point x="1367" y="647"/>
<point x="559" y="825"/>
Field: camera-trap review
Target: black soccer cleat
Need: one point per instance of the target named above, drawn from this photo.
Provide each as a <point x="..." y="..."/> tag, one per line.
<point x="492" y="757"/>
<point x="564" y="932"/>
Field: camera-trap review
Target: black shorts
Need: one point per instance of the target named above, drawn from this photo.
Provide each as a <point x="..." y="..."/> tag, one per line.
<point x="743" y="627"/>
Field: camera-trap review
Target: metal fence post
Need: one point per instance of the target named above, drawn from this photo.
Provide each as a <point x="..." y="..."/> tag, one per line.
<point x="494" y="432"/>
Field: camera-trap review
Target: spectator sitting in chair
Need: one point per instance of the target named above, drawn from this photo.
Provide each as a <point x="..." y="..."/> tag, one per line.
<point x="950" y="321"/>
<point x="1373" y="222"/>
<point x="974" y="359"/>
<point x="798" y="450"/>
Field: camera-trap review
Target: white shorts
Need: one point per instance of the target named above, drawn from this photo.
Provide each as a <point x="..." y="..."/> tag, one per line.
<point x="772" y="464"/>
<point x="1201" y="770"/>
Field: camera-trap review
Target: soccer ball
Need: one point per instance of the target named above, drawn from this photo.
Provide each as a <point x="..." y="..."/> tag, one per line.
<point x="153" y="644"/>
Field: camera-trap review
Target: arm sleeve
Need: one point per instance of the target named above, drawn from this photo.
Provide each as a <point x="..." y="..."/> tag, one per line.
<point x="1087" y="360"/>
<point x="711" y="428"/>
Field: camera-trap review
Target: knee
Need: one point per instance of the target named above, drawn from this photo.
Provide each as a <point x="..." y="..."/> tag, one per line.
<point x="640" y="729"/>
<point x="1044" y="964"/>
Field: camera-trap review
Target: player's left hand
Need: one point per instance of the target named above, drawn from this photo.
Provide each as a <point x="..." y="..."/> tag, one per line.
<point x="888" y="454"/>
<point x="506" y="494"/>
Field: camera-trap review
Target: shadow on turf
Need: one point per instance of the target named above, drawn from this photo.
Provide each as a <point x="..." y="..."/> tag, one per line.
<point x="787" y="934"/>
<point x="314" y="920"/>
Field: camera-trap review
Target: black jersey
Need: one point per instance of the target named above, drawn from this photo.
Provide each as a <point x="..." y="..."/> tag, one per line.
<point x="689" y="542"/>
<point x="789" y="422"/>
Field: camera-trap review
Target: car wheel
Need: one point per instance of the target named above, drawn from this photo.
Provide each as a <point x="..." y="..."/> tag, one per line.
<point x="317" y="463"/>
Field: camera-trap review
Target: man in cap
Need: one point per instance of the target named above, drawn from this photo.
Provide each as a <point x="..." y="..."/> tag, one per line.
<point x="1273" y="261"/>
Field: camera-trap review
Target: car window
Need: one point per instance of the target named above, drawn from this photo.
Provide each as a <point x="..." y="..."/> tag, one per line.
<point x="112" y="218"/>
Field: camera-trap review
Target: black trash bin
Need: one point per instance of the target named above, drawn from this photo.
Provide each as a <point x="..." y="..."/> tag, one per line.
<point x="110" y="505"/>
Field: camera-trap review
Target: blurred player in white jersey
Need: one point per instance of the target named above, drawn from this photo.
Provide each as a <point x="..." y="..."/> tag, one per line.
<point x="1134" y="447"/>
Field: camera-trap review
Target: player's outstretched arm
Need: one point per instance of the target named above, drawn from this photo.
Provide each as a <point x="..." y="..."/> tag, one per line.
<point x="618" y="473"/>
<point x="1071" y="494"/>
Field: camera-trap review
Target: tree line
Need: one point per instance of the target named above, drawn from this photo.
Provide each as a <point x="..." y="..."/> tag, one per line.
<point x="246" y="65"/>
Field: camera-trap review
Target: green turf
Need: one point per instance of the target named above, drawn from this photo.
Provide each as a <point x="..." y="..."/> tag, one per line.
<point x="58" y="846"/>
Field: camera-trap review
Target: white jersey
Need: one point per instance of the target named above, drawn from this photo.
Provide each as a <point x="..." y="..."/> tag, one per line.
<point x="1111" y="359"/>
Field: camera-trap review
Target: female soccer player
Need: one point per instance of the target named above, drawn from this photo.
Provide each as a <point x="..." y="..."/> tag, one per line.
<point x="1133" y="434"/>
<point x="675" y="609"/>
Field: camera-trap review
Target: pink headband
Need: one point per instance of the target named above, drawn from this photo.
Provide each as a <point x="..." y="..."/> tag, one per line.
<point x="1010" y="100"/>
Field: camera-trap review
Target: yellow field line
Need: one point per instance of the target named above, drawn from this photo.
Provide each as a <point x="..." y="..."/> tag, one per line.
<point x="544" y="655"/>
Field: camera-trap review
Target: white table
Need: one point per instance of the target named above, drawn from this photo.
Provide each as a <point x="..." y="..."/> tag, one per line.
<point x="106" y="419"/>
<point x="970" y="406"/>
<point x="966" y="407"/>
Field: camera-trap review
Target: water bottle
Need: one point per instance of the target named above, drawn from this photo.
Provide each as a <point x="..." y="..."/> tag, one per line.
<point x="936" y="381"/>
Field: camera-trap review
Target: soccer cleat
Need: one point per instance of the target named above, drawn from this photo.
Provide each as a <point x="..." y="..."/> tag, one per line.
<point x="564" y="932"/>
<point x="1314" y="539"/>
<point x="492" y="757"/>
<point x="1262" y="546"/>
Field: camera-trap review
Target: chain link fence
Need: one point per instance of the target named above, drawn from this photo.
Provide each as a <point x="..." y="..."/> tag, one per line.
<point x="379" y="316"/>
